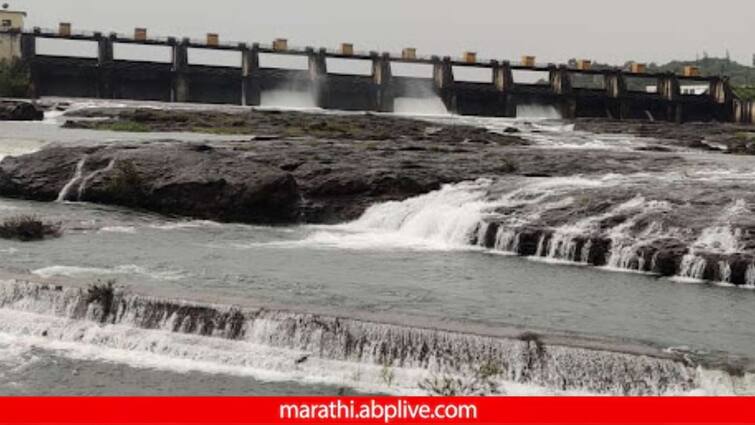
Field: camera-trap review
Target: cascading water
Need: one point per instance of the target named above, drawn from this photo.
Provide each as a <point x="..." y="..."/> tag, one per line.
<point x="79" y="182"/>
<point x="447" y="216"/>
<point x="537" y="111"/>
<point x="577" y="220"/>
<point x="419" y="106"/>
<point x="86" y="180"/>
<point x="310" y="346"/>
<point x="289" y="99"/>
<point x="77" y="175"/>
<point x="713" y="240"/>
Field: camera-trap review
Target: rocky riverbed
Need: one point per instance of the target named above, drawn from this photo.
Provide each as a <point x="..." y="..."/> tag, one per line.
<point x="713" y="136"/>
<point x="276" y="179"/>
<point x="663" y="210"/>
<point x="421" y="206"/>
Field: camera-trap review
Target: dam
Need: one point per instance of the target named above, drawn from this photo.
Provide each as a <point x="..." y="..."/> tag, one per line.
<point x="574" y="91"/>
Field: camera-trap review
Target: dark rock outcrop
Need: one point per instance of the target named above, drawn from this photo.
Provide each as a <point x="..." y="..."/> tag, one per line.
<point x="19" y="111"/>
<point x="168" y="178"/>
<point x="707" y="136"/>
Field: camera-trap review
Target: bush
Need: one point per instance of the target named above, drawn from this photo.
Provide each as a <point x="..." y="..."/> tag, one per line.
<point x="102" y="294"/>
<point x="28" y="228"/>
<point x="126" y="126"/>
<point x="125" y="184"/>
<point x="745" y="92"/>
<point x="14" y="79"/>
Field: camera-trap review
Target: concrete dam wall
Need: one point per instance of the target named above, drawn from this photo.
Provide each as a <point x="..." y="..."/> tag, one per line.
<point x="178" y="80"/>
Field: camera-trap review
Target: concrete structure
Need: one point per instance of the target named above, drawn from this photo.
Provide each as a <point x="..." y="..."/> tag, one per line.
<point x="347" y="49"/>
<point x="694" y="89"/>
<point x="64" y="29"/>
<point x="280" y="44"/>
<point x="11" y="25"/>
<point x="182" y="81"/>
<point x="409" y="53"/>
<point x="691" y="71"/>
<point x="638" y="68"/>
<point x="140" y="34"/>
<point x="744" y="111"/>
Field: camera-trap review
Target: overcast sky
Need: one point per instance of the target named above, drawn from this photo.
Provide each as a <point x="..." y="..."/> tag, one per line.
<point x="553" y="30"/>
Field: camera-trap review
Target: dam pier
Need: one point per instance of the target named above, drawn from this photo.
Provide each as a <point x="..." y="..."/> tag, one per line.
<point x="575" y="91"/>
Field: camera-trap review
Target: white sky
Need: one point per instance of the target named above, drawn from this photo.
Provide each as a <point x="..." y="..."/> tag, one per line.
<point x="553" y="30"/>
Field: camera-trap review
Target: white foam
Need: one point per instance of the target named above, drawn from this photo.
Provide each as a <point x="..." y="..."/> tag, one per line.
<point x="129" y="269"/>
<point x="15" y="147"/>
<point x="182" y="353"/>
<point x="191" y="224"/>
<point x="344" y="238"/>
<point x="118" y="229"/>
<point x="287" y="99"/>
<point x="74" y="180"/>
<point x="447" y="219"/>
<point x="446" y="216"/>
<point x="719" y="239"/>
<point x="625" y="243"/>
<point x="537" y="111"/>
<point x="7" y="207"/>
<point x="427" y="106"/>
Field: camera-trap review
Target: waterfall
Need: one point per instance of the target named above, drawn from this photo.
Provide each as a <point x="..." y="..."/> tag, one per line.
<point x="562" y="219"/>
<point x="506" y="240"/>
<point x="693" y="267"/>
<point x="702" y="260"/>
<point x="419" y="106"/>
<point x="237" y="338"/>
<point x="537" y="111"/>
<point x="85" y="181"/>
<point x="448" y="216"/>
<point x="75" y="179"/>
<point x="288" y="99"/>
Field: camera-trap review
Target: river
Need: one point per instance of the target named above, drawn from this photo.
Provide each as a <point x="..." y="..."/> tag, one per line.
<point x="401" y="263"/>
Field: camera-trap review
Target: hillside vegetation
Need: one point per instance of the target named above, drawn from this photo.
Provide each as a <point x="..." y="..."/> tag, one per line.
<point x="14" y="79"/>
<point x="742" y="77"/>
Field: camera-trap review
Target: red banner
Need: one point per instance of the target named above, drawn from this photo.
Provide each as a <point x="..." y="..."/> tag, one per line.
<point x="376" y="410"/>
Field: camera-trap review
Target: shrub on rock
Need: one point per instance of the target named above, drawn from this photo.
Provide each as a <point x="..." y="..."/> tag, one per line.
<point x="28" y="228"/>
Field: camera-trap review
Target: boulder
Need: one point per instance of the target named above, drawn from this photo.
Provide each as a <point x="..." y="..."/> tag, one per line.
<point x="19" y="111"/>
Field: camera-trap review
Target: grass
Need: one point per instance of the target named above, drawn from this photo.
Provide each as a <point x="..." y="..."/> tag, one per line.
<point x="125" y="126"/>
<point x="28" y="228"/>
<point x="483" y="382"/>
<point x="125" y="185"/>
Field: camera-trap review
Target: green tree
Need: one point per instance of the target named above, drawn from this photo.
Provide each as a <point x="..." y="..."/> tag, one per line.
<point x="14" y="79"/>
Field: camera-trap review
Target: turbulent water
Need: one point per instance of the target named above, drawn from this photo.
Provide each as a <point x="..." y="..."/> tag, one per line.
<point x="410" y="292"/>
<point x="624" y="222"/>
<point x="370" y="356"/>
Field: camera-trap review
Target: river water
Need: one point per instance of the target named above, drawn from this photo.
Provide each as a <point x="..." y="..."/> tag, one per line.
<point x="408" y="260"/>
